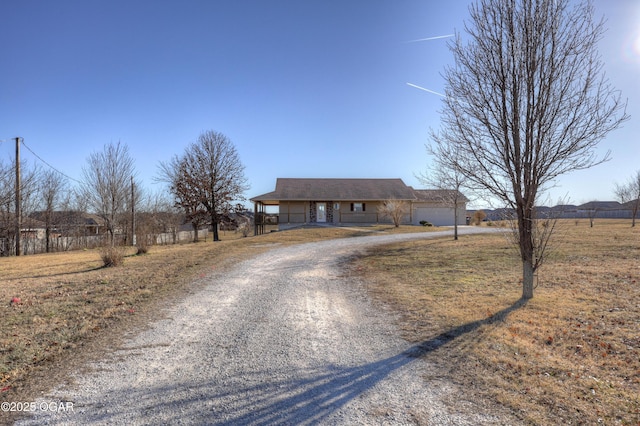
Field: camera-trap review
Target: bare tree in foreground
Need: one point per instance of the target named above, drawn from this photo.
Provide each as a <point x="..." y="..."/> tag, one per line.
<point x="630" y="193"/>
<point x="107" y="183"/>
<point x="526" y="102"/>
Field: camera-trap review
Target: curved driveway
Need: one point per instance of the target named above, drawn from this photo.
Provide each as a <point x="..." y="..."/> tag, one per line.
<point x="287" y="337"/>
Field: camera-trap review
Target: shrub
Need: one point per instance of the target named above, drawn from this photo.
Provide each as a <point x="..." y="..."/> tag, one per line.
<point x="112" y="256"/>
<point x="478" y="217"/>
<point x="394" y="209"/>
<point x="142" y="245"/>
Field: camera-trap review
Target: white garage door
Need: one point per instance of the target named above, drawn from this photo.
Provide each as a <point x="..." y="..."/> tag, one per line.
<point x="439" y="216"/>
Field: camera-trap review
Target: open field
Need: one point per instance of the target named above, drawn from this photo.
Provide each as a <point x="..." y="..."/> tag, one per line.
<point x="571" y="355"/>
<point x="69" y="303"/>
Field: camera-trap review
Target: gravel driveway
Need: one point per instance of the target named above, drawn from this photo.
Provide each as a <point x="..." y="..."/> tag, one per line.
<point x="287" y="337"/>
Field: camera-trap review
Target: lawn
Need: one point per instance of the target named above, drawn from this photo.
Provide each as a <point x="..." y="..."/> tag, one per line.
<point x="571" y="355"/>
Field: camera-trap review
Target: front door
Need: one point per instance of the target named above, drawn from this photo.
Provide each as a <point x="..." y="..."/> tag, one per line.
<point x="321" y="212"/>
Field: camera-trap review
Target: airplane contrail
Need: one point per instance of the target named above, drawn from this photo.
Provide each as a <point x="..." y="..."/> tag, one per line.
<point x="431" y="38"/>
<point x="426" y="90"/>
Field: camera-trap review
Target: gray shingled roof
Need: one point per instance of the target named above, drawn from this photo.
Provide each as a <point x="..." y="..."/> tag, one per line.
<point x="293" y="189"/>
<point x="438" y="195"/>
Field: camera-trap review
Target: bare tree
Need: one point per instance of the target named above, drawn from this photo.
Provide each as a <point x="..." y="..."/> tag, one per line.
<point x="526" y="102"/>
<point x="221" y="174"/>
<point x="158" y="215"/>
<point x="7" y="194"/>
<point x="394" y="209"/>
<point x="106" y="186"/>
<point x="184" y="186"/>
<point x="209" y="176"/>
<point x="127" y="218"/>
<point x="29" y="187"/>
<point x="449" y="181"/>
<point x="592" y="211"/>
<point x="52" y="185"/>
<point x="630" y="193"/>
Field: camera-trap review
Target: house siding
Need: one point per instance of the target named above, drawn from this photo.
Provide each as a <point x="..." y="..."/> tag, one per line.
<point x="369" y="215"/>
<point x="293" y="212"/>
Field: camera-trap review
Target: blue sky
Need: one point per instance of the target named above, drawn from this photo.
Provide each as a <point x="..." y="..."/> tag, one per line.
<point x="312" y="88"/>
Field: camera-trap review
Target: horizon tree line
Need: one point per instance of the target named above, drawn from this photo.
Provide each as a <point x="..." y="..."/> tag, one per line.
<point x="110" y="191"/>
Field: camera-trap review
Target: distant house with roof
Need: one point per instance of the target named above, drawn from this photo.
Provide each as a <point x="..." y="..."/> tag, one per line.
<point x="71" y="222"/>
<point x="354" y="201"/>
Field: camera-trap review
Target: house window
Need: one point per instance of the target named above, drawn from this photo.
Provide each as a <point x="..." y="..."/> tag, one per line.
<point x="336" y="206"/>
<point x="358" y="207"/>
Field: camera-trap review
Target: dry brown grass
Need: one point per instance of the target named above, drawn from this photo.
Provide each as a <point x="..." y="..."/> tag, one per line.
<point x="69" y="300"/>
<point x="571" y="355"/>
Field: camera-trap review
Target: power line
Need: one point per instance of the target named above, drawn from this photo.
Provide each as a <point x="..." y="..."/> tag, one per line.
<point x="49" y="165"/>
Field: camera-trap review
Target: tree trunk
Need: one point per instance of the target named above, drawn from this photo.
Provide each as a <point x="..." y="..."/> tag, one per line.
<point x="214" y="225"/>
<point x="527" y="279"/>
<point x="112" y="235"/>
<point x="455" y="220"/>
<point x="527" y="245"/>
<point x="214" y="221"/>
<point x="47" y="234"/>
<point x="195" y="232"/>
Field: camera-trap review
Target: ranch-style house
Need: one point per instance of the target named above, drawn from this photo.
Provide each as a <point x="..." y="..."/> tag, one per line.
<point x="354" y="201"/>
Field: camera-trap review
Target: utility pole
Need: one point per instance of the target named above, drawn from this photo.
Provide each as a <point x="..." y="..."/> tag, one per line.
<point x="18" y="200"/>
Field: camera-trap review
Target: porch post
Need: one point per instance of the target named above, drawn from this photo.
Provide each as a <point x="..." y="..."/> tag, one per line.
<point x="255" y="218"/>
